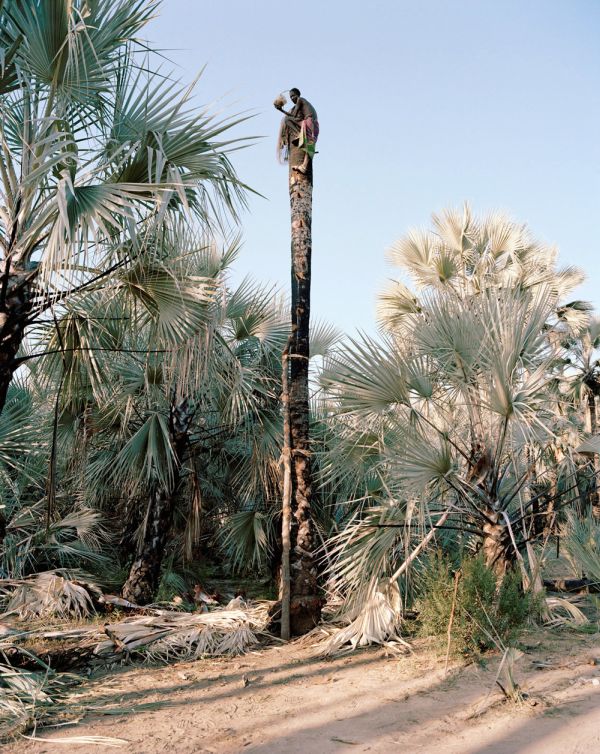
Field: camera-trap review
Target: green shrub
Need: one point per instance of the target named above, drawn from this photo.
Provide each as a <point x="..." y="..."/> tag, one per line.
<point x="513" y="607"/>
<point x="486" y="614"/>
<point x="436" y="589"/>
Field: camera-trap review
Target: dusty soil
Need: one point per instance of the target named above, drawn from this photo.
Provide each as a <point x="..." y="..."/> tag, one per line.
<point x="288" y="699"/>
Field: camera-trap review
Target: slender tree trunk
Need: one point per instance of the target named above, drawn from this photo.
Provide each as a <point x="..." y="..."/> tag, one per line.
<point x="591" y="399"/>
<point x="286" y="503"/>
<point x="550" y="517"/>
<point x="595" y="496"/>
<point x="15" y="306"/>
<point x="144" y="575"/>
<point x="305" y="601"/>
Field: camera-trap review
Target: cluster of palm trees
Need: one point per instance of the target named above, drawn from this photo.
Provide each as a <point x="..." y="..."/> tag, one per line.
<point x="140" y="412"/>
<point x="125" y="356"/>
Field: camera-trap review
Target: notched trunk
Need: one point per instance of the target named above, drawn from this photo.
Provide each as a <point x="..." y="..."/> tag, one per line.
<point x="14" y="312"/>
<point x="144" y="575"/>
<point x="305" y="603"/>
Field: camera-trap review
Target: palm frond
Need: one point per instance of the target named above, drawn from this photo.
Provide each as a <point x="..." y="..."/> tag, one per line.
<point x="582" y="543"/>
<point x="247" y="539"/>
<point x="368" y="378"/>
<point x="146" y="457"/>
<point x="20" y="434"/>
<point x="51" y="594"/>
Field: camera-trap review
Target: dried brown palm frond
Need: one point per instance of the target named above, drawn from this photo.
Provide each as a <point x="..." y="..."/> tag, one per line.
<point x="178" y="636"/>
<point x="377" y="621"/>
<point x="157" y="635"/>
<point x="563" y="612"/>
<point x="50" y="594"/>
<point x="28" y="698"/>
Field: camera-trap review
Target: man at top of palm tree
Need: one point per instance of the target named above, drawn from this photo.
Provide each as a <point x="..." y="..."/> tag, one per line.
<point x="299" y="127"/>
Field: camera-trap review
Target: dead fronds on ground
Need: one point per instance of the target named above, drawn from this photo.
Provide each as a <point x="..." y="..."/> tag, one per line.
<point x="29" y="698"/>
<point x="51" y="594"/>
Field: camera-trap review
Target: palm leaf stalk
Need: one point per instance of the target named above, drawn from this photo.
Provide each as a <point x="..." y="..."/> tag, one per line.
<point x="286" y="499"/>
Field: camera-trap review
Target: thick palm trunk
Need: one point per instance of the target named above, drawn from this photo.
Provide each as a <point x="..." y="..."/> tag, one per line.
<point x="498" y="550"/>
<point x="305" y="601"/>
<point x="144" y="575"/>
<point x="15" y="306"/>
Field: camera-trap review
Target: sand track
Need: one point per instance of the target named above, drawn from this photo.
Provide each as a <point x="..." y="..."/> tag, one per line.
<point x="286" y="699"/>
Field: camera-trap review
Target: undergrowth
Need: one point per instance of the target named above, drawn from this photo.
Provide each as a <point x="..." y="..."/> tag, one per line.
<point x="486" y="614"/>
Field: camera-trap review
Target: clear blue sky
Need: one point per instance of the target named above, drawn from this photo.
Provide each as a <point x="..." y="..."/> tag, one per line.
<point x="422" y="104"/>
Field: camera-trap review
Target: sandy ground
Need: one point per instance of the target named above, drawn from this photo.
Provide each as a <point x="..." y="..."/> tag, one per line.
<point x="287" y="699"/>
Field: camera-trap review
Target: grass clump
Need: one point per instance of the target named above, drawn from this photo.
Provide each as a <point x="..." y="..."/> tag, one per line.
<point x="486" y="614"/>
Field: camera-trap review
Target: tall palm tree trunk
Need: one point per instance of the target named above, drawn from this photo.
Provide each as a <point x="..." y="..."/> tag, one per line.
<point x="144" y="576"/>
<point x="15" y="306"/>
<point x="305" y="599"/>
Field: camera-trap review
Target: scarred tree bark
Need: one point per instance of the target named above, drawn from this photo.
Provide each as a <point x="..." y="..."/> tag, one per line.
<point x="498" y="551"/>
<point x="15" y="306"/>
<point x="305" y="601"/>
<point x="144" y="575"/>
<point x="142" y="582"/>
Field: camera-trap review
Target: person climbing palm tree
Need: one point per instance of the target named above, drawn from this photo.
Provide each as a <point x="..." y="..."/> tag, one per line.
<point x="300" y="127"/>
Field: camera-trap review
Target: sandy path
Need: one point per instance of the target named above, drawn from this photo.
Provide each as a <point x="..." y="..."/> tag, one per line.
<point x="285" y="699"/>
